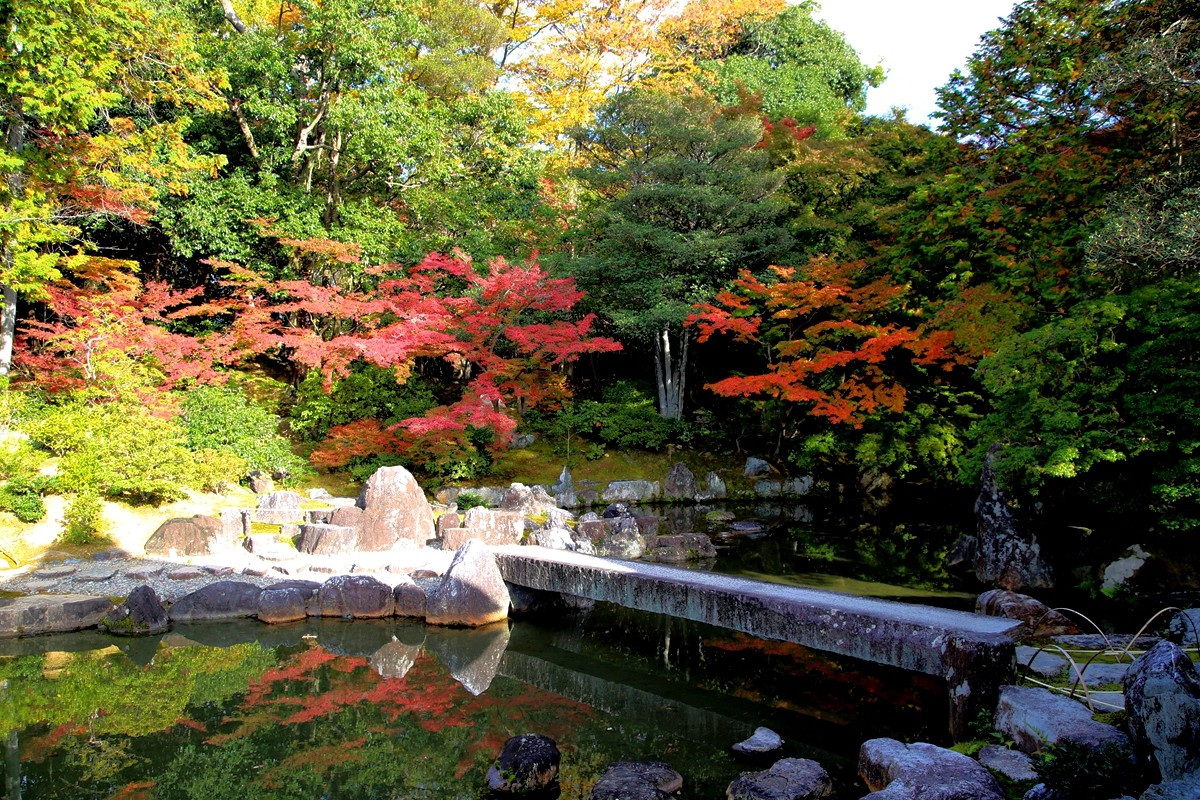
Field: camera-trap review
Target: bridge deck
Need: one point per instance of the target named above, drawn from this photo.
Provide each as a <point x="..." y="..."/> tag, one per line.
<point x="973" y="652"/>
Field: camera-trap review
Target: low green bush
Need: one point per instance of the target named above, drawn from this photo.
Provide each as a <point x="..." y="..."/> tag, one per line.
<point x="22" y="496"/>
<point x="223" y="420"/>
<point x="83" y="520"/>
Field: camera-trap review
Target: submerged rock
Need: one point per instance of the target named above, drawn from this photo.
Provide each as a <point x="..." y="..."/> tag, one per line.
<point x="394" y="659"/>
<point x="141" y="614"/>
<point x="893" y="770"/>
<point x="787" y="779"/>
<point x="764" y="740"/>
<point x="637" y="780"/>
<point x="526" y="763"/>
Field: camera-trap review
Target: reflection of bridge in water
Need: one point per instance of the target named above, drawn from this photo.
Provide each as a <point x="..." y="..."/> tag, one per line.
<point x="974" y="654"/>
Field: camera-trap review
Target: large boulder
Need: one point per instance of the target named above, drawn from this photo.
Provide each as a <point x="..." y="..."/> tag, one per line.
<point x="680" y="483"/>
<point x="220" y="600"/>
<point x="346" y="516"/>
<point x="1040" y="620"/>
<point x="616" y="537"/>
<point x="1184" y="628"/>
<point x="637" y="780"/>
<point x="353" y="597"/>
<point x="141" y="614"/>
<point x="787" y="779"/>
<point x="1036" y="719"/>
<point x="409" y="598"/>
<point x="493" y="527"/>
<point x="527" y="501"/>
<point x="1119" y="572"/>
<point x="326" y="539"/>
<point x="631" y="492"/>
<point x="277" y="605"/>
<point x="526" y="763"/>
<point x="195" y="536"/>
<point x="50" y="613"/>
<point x="281" y="501"/>
<point x="680" y="548"/>
<point x="1162" y="698"/>
<point x="756" y="467"/>
<point x="1006" y="554"/>
<point x="893" y="770"/>
<point x="394" y="509"/>
<point x="713" y="488"/>
<point x="472" y="592"/>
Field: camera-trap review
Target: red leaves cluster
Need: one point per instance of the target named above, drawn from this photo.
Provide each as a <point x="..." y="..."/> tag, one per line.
<point x="505" y="331"/>
<point x="833" y="340"/>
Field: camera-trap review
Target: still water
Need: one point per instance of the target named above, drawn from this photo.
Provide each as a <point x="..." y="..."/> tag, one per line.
<point x="394" y="709"/>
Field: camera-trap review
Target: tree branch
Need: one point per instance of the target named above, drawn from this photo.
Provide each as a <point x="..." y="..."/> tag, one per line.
<point x="232" y="16"/>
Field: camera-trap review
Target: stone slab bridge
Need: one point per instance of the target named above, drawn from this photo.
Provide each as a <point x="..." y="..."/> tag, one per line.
<point x="975" y="654"/>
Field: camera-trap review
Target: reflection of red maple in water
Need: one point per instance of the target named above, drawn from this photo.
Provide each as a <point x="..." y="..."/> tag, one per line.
<point x="427" y="694"/>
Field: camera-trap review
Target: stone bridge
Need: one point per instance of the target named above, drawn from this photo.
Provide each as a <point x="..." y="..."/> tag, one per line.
<point x="975" y="654"/>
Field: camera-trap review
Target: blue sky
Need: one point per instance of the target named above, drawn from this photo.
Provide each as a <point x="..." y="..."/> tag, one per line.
<point x="919" y="43"/>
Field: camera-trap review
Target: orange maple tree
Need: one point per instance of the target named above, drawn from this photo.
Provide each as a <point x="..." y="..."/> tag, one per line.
<point x="834" y="339"/>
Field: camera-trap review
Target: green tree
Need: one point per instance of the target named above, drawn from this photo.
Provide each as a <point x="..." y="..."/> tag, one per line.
<point x="799" y="67"/>
<point x="684" y="198"/>
<point x="87" y="95"/>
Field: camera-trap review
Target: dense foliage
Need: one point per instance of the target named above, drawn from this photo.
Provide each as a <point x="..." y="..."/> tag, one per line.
<point x="435" y="222"/>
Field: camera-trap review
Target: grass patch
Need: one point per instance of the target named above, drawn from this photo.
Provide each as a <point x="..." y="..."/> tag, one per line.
<point x="539" y="463"/>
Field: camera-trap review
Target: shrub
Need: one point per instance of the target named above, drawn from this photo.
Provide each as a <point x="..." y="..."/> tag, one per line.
<point x="366" y="392"/>
<point x="23" y="497"/>
<point x="83" y="520"/>
<point x="224" y="420"/>
<point x="121" y="451"/>
<point x="469" y="500"/>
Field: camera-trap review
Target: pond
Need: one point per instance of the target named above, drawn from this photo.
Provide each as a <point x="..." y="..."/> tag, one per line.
<point x="898" y="555"/>
<point x="335" y="709"/>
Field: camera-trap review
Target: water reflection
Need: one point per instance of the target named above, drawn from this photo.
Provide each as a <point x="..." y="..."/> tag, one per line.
<point x="332" y="708"/>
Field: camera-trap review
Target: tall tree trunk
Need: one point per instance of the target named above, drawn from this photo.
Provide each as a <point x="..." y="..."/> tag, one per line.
<point x="8" y="322"/>
<point x="14" y="142"/>
<point x="670" y="373"/>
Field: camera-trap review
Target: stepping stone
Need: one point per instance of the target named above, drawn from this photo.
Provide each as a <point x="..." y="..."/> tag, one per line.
<point x="186" y="573"/>
<point x="220" y="572"/>
<point x="1104" y="674"/>
<point x="322" y="569"/>
<point x="96" y="574"/>
<point x="1094" y="641"/>
<point x="40" y="587"/>
<point x="144" y="573"/>
<point x="49" y="573"/>
<point x="1044" y="663"/>
<point x="255" y="572"/>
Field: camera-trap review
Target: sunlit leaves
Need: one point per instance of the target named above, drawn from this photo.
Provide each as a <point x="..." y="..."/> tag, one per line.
<point x="835" y="343"/>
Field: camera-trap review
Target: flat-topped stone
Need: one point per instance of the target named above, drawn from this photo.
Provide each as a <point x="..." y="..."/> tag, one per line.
<point x="50" y="613"/>
<point x="973" y="652"/>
